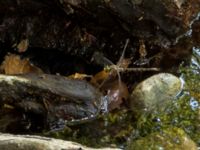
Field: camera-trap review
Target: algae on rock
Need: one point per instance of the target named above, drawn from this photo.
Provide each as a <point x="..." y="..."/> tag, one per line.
<point x="172" y="138"/>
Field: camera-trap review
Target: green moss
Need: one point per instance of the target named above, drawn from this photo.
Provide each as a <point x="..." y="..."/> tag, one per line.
<point x="171" y="138"/>
<point x="110" y="130"/>
<point x="192" y="79"/>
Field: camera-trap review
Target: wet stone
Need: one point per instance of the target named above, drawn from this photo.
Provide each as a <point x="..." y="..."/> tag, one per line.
<point x="155" y="92"/>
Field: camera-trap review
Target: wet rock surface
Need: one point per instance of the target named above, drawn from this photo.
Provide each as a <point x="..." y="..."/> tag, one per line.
<point x="196" y="32"/>
<point x="80" y="27"/>
<point x="54" y="100"/>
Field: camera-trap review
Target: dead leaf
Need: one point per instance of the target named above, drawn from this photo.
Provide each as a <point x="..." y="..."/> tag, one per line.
<point x="142" y="49"/>
<point x="79" y="76"/>
<point x="8" y="106"/>
<point x="117" y="93"/>
<point x="99" y="77"/>
<point x="23" y="46"/>
<point x="13" y="64"/>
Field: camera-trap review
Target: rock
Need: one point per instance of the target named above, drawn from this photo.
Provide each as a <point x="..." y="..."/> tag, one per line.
<point x="154" y="92"/>
<point x="172" y="138"/>
<point x="57" y="100"/>
<point x="28" y="142"/>
<point x="151" y="18"/>
<point x="196" y="32"/>
<point x="158" y="21"/>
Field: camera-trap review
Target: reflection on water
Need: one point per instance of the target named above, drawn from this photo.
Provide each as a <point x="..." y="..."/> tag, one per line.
<point x="195" y="69"/>
<point x="189" y="32"/>
<point x="195" y="65"/>
<point x="195" y="61"/>
<point x="194" y="104"/>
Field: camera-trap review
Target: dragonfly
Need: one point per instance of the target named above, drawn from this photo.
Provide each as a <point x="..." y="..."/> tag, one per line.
<point x="116" y="91"/>
<point x="112" y="70"/>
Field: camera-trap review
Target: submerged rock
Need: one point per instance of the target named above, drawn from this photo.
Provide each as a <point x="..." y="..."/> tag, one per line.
<point x="154" y="92"/>
<point x="172" y="138"/>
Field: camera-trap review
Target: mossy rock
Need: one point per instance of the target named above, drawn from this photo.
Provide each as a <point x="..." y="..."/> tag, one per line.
<point x="155" y="92"/>
<point x="171" y="138"/>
